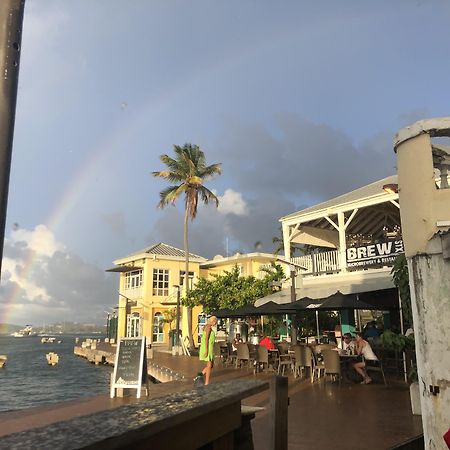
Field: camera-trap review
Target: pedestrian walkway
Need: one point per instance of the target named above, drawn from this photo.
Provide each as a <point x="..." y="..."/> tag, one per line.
<point x="321" y="415"/>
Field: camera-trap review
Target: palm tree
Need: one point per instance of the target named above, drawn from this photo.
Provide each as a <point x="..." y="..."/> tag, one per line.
<point x="187" y="172"/>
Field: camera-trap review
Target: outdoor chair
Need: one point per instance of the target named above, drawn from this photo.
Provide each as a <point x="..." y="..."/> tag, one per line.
<point x="303" y="360"/>
<point x="253" y="351"/>
<point x="332" y="364"/>
<point x="319" y="366"/>
<point x="262" y="359"/>
<point x="243" y="355"/>
<point x="232" y="354"/>
<point x="378" y="368"/>
<point x="285" y="359"/>
<point x="283" y="348"/>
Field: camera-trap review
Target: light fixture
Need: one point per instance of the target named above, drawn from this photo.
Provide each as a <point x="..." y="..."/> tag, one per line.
<point x="391" y="188"/>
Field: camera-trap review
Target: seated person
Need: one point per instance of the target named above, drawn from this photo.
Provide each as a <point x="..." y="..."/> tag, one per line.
<point x="370" y="330"/>
<point x="364" y="349"/>
<point x="267" y="342"/>
<point x="348" y="344"/>
<point x="237" y="339"/>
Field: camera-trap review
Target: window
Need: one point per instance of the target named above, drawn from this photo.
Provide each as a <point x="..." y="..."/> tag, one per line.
<point x="182" y="277"/>
<point x="133" y="279"/>
<point x="158" y="327"/>
<point x="134" y="325"/>
<point x="160" y="282"/>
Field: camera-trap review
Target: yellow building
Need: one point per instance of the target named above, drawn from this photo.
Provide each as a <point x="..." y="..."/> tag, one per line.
<point x="248" y="264"/>
<point x="151" y="278"/>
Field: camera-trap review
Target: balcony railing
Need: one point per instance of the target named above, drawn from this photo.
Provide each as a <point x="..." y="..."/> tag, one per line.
<point x="132" y="294"/>
<point x="319" y="263"/>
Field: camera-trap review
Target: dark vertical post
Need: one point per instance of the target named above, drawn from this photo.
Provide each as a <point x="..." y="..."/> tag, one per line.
<point x="294" y="322"/>
<point x="11" y="20"/>
<point x="178" y="318"/>
<point x="278" y="413"/>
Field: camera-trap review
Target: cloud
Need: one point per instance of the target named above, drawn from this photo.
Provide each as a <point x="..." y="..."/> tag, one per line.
<point x="41" y="240"/>
<point x="231" y="202"/>
<point x="43" y="282"/>
<point x="271" y="172"/>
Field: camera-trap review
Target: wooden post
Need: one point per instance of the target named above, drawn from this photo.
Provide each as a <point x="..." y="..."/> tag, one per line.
<point x="278" y="413"/>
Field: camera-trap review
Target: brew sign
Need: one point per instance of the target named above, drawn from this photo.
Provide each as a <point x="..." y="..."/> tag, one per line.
<point x="379" y="254"/>
<point x="130" y="368"/>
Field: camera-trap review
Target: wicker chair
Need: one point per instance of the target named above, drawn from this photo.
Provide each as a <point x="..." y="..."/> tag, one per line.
<point x="243" y="355"/>
<point x="304" y="359"/>
<point x="332" y="364"/>
<point x="319" y="366"/>
<point x="378" y="368"/>
<point x="262" y="360"/>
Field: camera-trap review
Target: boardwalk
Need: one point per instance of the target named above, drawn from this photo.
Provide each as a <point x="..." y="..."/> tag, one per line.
<point x="321" y="415"/>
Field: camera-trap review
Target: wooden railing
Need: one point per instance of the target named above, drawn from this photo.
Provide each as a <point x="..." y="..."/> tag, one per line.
<point x="319" y="263"/>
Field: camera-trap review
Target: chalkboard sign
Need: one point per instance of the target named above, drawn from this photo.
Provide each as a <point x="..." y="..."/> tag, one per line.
<point x="130" y="368"/>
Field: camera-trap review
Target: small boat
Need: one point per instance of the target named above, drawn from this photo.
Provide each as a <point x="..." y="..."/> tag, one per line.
<point x="3" y="359"/>
<point x="48" y="340"/>
<point x="52" y="358"/>
<point x="24" y="332"/>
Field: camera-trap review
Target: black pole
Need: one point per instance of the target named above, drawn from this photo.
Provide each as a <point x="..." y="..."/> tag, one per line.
<point x="11" y="21"/>
<point x="294" y="321"/>
<point x="178" y="318"/>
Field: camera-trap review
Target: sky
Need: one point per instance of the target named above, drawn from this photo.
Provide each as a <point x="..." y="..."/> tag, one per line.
<point x="299" y="101"/>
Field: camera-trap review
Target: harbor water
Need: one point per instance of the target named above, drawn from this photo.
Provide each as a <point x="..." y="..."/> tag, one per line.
<point x="27" y="380"/>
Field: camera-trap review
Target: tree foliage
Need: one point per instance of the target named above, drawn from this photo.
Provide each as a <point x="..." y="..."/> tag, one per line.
<point x="400" y="277"/>
<point x="230" y="290"/>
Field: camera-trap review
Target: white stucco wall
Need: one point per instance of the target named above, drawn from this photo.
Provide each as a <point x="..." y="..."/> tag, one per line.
<point x="430" y="296"/>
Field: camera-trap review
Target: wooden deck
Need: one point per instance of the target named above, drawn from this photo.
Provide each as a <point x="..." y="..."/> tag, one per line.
<point x="321" y="415"/>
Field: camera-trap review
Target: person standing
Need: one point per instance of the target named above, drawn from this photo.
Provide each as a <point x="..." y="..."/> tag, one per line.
<point x="207" y="348"/>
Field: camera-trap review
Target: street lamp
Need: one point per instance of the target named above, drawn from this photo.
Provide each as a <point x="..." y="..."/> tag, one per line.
<point x="177" y="326"/>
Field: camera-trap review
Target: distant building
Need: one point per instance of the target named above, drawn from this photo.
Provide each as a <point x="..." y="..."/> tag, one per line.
<point x="150" y="278"/>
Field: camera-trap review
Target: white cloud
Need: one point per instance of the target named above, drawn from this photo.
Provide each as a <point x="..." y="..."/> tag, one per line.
<point x="231" y="202"/>
<point x="41" y="240"/>
<point x="42" y="281"/>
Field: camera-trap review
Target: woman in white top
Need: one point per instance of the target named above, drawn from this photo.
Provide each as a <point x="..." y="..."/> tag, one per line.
<point x="364" y="349"/>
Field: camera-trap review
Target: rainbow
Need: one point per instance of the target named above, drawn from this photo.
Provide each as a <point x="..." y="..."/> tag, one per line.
<point x="138" y="119"/>
<point x="78" y="185"/>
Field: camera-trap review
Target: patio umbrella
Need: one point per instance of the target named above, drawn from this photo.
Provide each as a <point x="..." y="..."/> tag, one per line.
<point x="272" y="309"/>
<point x="339" y="301"/>
<point x="244" y="311"/>
<point x="222" y="313"/>
<point x="304" y="304"/>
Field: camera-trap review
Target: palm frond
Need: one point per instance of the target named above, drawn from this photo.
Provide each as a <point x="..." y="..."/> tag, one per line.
<point x="208" y="196"/>
<point x="170" y="195"/>
<point x="211" y="171"/>
<point x="171" y="177"/>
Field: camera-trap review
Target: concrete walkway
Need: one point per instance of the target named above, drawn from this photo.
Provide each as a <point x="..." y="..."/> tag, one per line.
<point x="321" y="415"/>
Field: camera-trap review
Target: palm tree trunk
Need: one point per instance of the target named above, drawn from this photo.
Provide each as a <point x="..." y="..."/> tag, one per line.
<point x="186" y="276"/>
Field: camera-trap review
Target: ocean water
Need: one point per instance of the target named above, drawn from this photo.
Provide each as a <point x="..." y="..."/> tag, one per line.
<point x="27" y="380"/>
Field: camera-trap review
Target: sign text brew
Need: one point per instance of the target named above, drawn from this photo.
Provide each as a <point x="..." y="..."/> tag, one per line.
<point x="379" y="254"/>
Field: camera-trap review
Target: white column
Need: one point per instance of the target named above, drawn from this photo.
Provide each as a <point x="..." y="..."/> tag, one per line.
<point x="342" y="242"/>
<point x="286" y="242"/>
